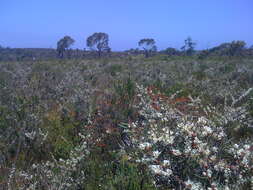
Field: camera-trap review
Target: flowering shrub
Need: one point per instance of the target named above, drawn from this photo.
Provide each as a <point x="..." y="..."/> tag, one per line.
<point x="189" y="151"/>
<point x="71" y="126"/>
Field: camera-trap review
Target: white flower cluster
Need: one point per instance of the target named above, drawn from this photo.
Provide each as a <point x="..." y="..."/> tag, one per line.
<point x="157" y="169"/>
<point x="189" y="138"/>
<point x="243" y="153"/>
<point x="30" y="135"/>
<point x="63" y="179"/>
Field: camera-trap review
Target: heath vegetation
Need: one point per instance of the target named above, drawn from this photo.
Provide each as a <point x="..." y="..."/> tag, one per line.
<point x="136" y="120"/>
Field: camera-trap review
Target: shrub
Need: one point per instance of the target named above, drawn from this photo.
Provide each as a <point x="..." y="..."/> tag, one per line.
<point x="114" y="69"/>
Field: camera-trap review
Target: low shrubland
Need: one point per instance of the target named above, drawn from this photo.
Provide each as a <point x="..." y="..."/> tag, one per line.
<point x="132" y="123"/>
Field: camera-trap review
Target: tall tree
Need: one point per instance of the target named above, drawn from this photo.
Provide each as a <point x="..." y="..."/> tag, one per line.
<point x="189" y="46"/>
<point x="99" y="42"/>
<point x="148" y="45"/>
<point x="63" y="45"/>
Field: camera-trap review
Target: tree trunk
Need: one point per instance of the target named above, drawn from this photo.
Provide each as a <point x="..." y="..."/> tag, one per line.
<point x="146" y="54"/>
<point x="99" y="53"/>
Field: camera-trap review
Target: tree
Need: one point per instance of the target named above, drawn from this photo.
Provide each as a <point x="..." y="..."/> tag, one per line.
<point x="236" y="48"/>
<point x="99" y="42"/>
<point x="172" y="51"/>
<point x="63" y="44"/>
<point x="189" y="46"/>
<point x="148" y="45"/>
<point x="203" y="54"/>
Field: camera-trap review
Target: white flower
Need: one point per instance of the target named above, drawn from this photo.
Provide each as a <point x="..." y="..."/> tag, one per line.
<point x="215" y="149"/>
<point x="145" y="145"/>
<point x="197" y="141"/>
<point x="207" y="129"/>
<point x="159" y="115"/>
<point x="214" y="184"/>
<point x="221" y="135"/>
<point x="240" y="152"/>
<point x="155" y="168"/>
<point x="188" y="183"/>
<point x="202" y="120"/>
<point x="246" y="146"/>
<point x="236" y="146"/>
<point x="166" y="162"/>
<point x="207" y="151"/>
<point x="156" y="153"/>
<point x="34" y="166"/>
<point x="213" y="158"/>
<point x="176" y="152"/>
<point x="193" y="185"/>
<point x="209" y="173"/>
<point x="168" y="172"/>
<point x="31" y="135"/>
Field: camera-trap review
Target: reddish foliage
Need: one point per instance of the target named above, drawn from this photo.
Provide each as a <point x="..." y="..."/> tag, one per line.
<point x="101" y="145"/>
<point x="156" y="107"/>
<point x="182" y="100"/>
<point x="181" y="103"/>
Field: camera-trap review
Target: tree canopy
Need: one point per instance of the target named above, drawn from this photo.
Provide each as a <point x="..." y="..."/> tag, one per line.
<point x="235" y="48"/>
<point x="98" y="42"/>
<point x="63" y="44"/>
<point x="148" y="45"/>
<point x="172" y="51"/>
<point x="189" y="46"/>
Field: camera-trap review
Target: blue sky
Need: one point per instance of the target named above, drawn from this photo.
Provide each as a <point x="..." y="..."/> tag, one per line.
<point x="41" y="23"/>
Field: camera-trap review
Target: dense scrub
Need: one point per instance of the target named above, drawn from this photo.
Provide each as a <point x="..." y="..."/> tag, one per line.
<point x="132" y="123"/>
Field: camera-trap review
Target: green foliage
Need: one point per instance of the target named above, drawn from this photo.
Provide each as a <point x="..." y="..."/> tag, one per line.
<point x="61" y="134"/>
<point x="125" y="90"/>
<point x="227" y="68"/>
<point x="35" y="97"/>
<point x="235" y="48"/>
<point x="199" y="75"/>
<point x="114" y="175"/>
<point x="114" y="69"/>
<point x="189" y="46"/>
<point x="238" y="132"/>
<point x="159" y="84"/>
<point x="203" y="67"/>
<point x="125" y="95"/>
<point x="98" y="41"/>
<point x="148" y="45"/>
<point x="180" y="89"/>
<point x="63" y="44"/>
<point x="172" y="51"/>
<point x="3" y="121"/>
<point x="250" y="106"/>
<point x="203" y="54"/>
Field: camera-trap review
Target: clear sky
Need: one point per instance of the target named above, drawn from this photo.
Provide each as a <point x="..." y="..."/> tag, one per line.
<point x="41" y="23"/>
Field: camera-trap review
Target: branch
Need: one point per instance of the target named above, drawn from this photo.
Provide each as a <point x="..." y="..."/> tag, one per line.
<point x="241" y="98"/>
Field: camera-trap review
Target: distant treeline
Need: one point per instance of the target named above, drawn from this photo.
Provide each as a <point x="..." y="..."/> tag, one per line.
<point x="98" y="46"/>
